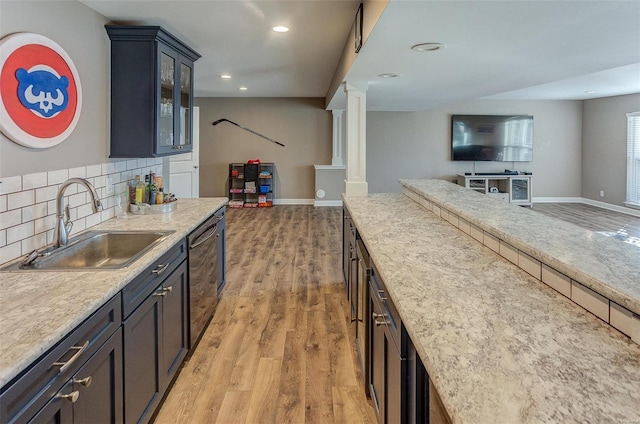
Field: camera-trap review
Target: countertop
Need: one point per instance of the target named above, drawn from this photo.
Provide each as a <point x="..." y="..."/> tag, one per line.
<point x="500" y="346"/>
<point x="600" y="262"/>
<point x="39" y="308"/>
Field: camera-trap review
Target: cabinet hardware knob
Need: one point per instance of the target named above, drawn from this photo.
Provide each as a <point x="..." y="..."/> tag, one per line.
<point x="167" y="289"/>
<point x="71" y="397"/>
<point x="65" y="365"/>
<point x="162" y="293"/>
<point x="160" y="269"/>
<point x="86" y="382"/>
<point x="379" y="323"/>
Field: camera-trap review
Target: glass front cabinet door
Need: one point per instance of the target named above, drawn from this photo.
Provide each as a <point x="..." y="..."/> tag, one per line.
<point x="520" y="190"/>
<point x="151" y="92"/>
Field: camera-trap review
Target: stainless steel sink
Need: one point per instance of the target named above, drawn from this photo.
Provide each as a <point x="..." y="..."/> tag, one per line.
<point x="96" y="250"/>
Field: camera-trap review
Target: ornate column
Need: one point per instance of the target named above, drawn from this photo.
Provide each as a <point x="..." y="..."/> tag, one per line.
<point x="356" y="182"/>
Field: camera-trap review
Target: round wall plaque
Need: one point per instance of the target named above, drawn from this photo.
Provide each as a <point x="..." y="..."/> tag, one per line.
<point x="40" y="93"/>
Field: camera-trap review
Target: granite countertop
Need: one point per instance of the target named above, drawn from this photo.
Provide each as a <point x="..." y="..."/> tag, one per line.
<point x="39" y="308"/>
<point x="602" y="263"/>
<point x="500" y="346"/>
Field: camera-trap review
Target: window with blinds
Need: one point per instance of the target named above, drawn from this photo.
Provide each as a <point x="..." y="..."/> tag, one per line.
<point x="633" y="159"/>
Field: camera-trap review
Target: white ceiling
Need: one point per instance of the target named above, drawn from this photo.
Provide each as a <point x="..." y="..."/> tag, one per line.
<point x="234" y="37"/>
<point x="515" y="49"/>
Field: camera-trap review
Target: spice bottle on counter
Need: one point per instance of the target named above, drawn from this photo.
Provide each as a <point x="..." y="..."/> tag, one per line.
<point x="132" y="189"/>
<point x="140" y="192"/>
<point x="159" y="196"/>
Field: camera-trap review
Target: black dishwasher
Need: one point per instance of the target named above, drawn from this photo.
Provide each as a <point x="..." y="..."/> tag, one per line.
<point x="204" y="272"/>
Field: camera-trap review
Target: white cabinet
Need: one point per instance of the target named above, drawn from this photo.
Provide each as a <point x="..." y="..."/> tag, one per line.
<point x="509" y="188"/>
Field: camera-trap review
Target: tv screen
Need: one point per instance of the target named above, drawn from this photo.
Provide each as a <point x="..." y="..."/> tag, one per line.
<point x="492" y="138"/>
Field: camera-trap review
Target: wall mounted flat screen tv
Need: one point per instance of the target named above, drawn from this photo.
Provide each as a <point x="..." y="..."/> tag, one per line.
<point x="492" y="138"/>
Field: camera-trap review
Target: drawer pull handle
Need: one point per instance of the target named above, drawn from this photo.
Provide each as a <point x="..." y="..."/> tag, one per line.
<point x="65" y="365"/>
<point x="379" y="319"/>
<point x="165" y="291"/>
<point x="382" y="295"/>
<point x="160" y="269"/>
<point x="71" y="397"/>
<point x="86" y="382"/>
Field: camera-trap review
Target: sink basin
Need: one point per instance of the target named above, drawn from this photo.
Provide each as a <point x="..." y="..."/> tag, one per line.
<point x="97" y="250"/>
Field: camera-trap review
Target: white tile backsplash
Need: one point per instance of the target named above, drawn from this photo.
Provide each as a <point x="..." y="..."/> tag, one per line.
<point x="621" y="318"/>
<point x="556" y="280"/>
<point x="80" y="172"/>
<point x="94" y="170"/>
<point x="57" y="177"/>
<point x="529" y="264"/>
<point x="10" y="218"/>
<point x="32" y="181"/>
<point x="509" y="252"/>
<point x="492" y="242"/>
<point x="19" y="232"/>
<point x="20" y="199"/>
<point x="592" y="301"/>
<point x="33" y="212"/>
<point x="28" y="202"/>
<point x="10" y="185"/>
<point x="46" y="193"/>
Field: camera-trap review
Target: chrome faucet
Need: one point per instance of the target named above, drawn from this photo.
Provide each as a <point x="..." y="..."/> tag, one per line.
<point x="63" y="220"/>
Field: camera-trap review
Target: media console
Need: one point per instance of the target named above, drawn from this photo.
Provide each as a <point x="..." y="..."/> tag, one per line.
<point x="507" y="187"/>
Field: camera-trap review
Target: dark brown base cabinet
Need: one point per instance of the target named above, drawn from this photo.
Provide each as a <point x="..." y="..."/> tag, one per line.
<point x="155" y="343"/>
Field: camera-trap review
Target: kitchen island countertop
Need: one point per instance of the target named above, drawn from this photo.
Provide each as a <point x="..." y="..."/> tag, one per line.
<point x="39" y="308"/>
<point x="500" y="346"/>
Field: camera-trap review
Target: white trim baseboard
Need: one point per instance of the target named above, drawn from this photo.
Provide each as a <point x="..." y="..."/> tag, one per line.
<point x="609" y="206"/>
<point x="293" y="201"/>
<point x="557" y="200"/>
<point x="318" y="203"/>
<point x="603" y="205"/>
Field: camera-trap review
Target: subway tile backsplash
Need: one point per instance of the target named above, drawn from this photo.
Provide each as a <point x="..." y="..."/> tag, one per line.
<point x="28" y="202"/>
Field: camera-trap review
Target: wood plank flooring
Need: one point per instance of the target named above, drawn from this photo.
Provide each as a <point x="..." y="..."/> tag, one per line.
<point x="279" y="349"/>
<point x="616" y="224"/>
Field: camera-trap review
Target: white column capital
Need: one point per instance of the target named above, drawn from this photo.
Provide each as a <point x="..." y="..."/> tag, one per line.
<point x="356" y="86"/>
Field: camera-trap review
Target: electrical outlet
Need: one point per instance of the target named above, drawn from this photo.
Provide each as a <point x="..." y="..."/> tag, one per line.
<point x="601" y="193"/>
<point x="109" y="184"/>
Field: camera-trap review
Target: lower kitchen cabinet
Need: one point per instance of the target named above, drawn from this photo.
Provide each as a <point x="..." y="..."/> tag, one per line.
<point x="94" y="393"/>
<point x="387" y="355"/>
<point x="78" y="378"/>
<point x="155" y="343"/>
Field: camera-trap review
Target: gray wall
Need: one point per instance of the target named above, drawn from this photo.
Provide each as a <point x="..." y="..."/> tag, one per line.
<point x="80" y="31"/>
<point x="604" y="147"/>
<point x="301" y="124"/>
<point x="418" y="145"/>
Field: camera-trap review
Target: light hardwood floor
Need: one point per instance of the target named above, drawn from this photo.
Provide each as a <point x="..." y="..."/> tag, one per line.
<point x="278" y="349"/>
<point x="593" y="218"/>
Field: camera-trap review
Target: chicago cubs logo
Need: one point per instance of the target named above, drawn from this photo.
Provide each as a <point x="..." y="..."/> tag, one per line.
<point x="40" y="94"/>
<point x="51" y="89"/>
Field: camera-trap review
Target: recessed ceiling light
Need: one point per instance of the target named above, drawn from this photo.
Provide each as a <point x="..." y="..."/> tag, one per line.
<point x="590" y="92"/>
<point x="428" y="47"/>
<point x="225" y="76"/>
<point x="389" y="75"/>
<point x="242" y="88"/>
<point x="280" y="28"/>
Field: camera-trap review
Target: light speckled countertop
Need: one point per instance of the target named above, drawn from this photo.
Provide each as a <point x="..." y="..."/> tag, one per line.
<point x="499" y="346"/>
<point x="37" y="309"/>
<point x="601" y="263"/>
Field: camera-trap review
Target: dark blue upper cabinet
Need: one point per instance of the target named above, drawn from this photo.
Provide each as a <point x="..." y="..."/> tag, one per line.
<point x="151" y="92"/>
